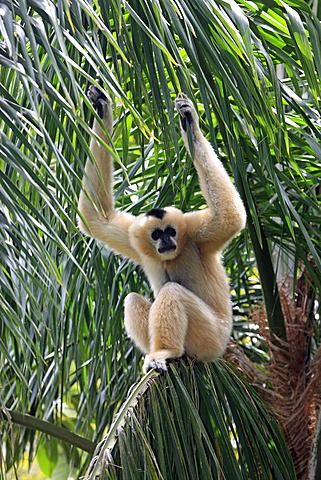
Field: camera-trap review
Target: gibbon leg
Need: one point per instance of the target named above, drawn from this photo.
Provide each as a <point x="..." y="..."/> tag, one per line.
<point x="167" y="328"/>
<point x="137" y="310"/>
<point x="207" y="333"/>
<point x="181" y="322"/>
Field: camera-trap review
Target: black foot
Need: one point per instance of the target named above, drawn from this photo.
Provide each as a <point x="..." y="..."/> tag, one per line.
<point x="158" y="365"/>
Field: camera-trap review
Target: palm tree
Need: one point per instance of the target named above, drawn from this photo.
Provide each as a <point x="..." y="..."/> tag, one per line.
<point x="253" y="70"/>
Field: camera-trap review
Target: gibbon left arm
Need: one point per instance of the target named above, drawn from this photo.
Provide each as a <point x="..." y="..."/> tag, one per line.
<point x="225" y="215"/>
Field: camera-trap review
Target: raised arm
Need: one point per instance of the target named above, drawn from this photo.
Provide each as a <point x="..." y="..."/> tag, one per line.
<point x="98" y="217"/>
<point x="225" y="215"/>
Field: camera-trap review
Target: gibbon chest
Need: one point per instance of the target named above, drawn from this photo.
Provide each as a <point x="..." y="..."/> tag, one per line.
<point x="187" y="269"/>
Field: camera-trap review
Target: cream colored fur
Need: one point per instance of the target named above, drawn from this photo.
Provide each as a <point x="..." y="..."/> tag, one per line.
<point x="192" y="310"/>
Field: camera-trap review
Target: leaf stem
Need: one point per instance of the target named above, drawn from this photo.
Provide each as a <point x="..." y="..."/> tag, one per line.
<point x="29" y="421"/>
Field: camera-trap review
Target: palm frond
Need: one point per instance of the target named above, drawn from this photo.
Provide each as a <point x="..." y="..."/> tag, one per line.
<point x="198" y="421"/>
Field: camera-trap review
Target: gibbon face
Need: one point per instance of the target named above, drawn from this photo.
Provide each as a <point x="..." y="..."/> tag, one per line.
<point x="159" y="233"/>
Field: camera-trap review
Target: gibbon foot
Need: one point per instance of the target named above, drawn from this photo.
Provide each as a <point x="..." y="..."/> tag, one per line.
<point x="158" y="365"/>
<point x="99" y="100"/>
<point x="187" y="111"/>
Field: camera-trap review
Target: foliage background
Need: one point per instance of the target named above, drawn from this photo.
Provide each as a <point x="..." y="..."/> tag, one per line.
<point x="253" y="69"/>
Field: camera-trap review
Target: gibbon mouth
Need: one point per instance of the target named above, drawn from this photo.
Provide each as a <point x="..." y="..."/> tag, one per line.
<point x="170" y="248"/>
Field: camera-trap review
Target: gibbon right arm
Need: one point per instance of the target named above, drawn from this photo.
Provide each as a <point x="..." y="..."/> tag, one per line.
<point x="99" y="218"/>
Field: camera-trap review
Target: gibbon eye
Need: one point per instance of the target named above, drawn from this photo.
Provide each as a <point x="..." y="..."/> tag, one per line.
<point x="156" y="234"/>
<point x="170" y="231"/>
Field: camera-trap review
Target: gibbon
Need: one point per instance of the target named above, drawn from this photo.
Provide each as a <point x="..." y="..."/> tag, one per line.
<point x="179" y="252"/>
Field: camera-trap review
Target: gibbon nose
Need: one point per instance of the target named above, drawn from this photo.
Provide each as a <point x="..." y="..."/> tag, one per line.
<point x="167" y="244"/>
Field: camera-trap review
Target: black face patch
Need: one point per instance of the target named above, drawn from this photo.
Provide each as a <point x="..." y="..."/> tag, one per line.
<point x="156" y="234"/>
<point x="156" y="212"/>
<point x="170" y="231"/>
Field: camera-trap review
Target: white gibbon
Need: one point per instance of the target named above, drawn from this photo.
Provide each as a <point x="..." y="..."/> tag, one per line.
<point x="179" y="252"/>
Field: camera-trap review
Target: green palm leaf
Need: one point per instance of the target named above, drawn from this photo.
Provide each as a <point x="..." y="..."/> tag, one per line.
<point x="63" y="353"/>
